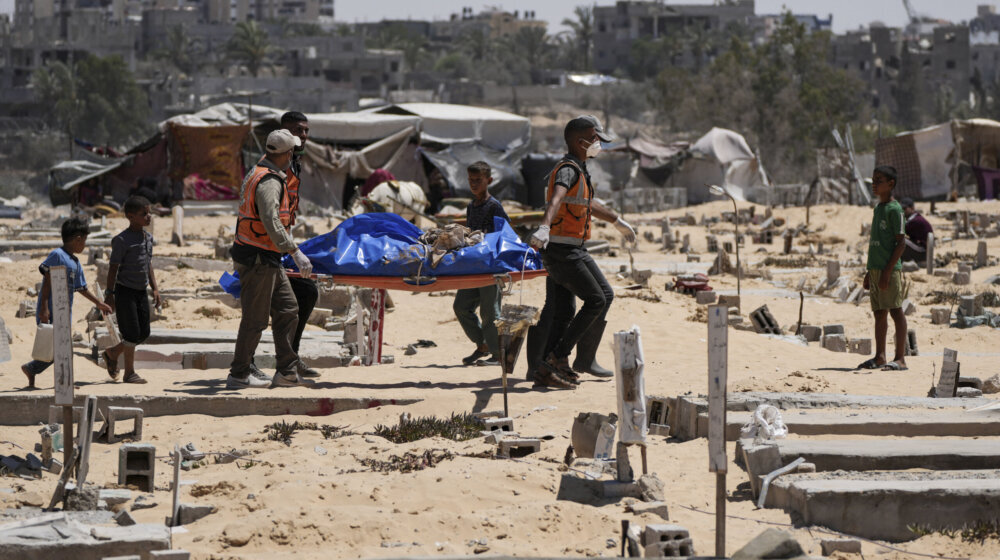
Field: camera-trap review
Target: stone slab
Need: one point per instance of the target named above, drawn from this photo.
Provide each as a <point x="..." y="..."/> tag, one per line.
<point x="18" y="409"/>
<point x="63" y="539"/>
<point x="892" y="454"/>
<point x="219" y="355"/>
<point x="928" y="423"/>
<point x="882" y="506"/>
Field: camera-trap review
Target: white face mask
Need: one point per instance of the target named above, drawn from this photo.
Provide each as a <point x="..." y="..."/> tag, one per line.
<point x="594" y="149"/>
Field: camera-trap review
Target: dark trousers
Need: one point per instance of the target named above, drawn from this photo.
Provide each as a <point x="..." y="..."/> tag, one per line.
<point x="911" y="254"/>
<point x="572" y="273"/>
<point x="265" y="292"/>
<point x="306" y="294"/>
<point x="132" y="311"/>
<point x="487" y="300"/>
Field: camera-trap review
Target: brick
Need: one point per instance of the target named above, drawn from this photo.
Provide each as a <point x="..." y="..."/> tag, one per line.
<point x="847" y="546"/>
<point x="519" y="447"/>
<point x="116" y="413"/>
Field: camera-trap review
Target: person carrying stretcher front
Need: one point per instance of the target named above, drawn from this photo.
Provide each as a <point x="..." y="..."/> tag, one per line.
<point x="572" y="272"/>
<point x="261" y="239"/>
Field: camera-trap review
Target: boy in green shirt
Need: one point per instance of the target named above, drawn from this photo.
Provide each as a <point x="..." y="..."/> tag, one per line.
<point x="884" y="278"/>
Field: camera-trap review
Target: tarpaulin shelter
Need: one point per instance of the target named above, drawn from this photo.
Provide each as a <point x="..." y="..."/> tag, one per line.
<point x="720" y="157"/>
<point x="921" y="158"/>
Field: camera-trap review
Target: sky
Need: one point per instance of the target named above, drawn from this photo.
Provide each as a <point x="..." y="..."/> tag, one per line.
<point x="847" y="14"/>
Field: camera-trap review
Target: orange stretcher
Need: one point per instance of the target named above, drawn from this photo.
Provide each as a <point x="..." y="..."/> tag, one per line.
<point x="428" y="283"/>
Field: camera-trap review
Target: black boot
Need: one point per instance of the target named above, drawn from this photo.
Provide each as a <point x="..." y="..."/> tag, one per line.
<point x="586" y="351"/>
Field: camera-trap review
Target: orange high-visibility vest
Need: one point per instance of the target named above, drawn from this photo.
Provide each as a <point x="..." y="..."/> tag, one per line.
<point x="571" y="225"/>
<point x="249" y="229"/>
<point x="292" y="185"/>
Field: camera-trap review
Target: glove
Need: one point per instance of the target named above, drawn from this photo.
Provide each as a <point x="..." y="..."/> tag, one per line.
<point x="302" y="262"/>
<point x="626" y="230"/>
<point x="540" y="239"/>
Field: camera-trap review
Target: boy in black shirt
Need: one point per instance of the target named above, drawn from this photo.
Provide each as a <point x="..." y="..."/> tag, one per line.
<point x="479" y="216"/>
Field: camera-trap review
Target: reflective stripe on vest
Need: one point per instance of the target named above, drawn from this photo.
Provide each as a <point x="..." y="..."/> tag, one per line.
<point x="571" y="224"/>
<point x="249" y="228"/>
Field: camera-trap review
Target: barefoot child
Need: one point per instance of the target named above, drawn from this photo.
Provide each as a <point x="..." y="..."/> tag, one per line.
<point x="129" y="273"/>
<point x="885" y="271"/>
<point x="74" y="237"/>
<point x="479" y="216"/>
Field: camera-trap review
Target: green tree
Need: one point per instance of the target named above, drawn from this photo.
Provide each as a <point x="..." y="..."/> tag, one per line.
<point x="454" y="65"/>
<point x="581" y="38"/>
<point x="186" y="53"/>
<point x="251" y="47"/>
<point x="533" y="46"/>
<point x="97" y="99"/>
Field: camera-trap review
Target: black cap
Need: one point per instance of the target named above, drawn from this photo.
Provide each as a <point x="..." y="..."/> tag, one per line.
<point x="906" y="202"/>
<point x="584" y="122"/>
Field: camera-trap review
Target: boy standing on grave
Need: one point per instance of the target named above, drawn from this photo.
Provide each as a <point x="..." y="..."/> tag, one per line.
<point x="885" y="271"/>
<point x="129" y="273"/>
<point x="74" y="237"/>
<point x="479" y="216"/>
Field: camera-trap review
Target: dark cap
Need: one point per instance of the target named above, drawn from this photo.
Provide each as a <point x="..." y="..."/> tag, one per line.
<point x="584" y="122"/>
<point x="906" y="202"/>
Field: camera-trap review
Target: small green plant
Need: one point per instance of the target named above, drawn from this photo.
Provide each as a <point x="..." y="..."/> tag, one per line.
<point x="458" y="427"/>
<point x="283" y="431"/>
<point x="802" y="261"/>
<point x="408" y="462"/>
<point x="978" y="532"/>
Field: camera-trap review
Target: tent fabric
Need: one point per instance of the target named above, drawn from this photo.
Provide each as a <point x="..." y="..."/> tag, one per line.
<point x="215" y="153"/>
<point x="723" y="145"/>
<point x="225" y="114"/>
<point x="358" y="128"/>
<point x="454" y="160"/>
<point x="921" y="159"/>
<point x="446" y="123"/>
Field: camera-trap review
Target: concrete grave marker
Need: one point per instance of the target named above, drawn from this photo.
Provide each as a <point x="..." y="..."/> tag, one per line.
<point x="948" y="382"/>
<point x="930" y="253"/>
<point x="62" y="336"/>
<point x="718" y="341"/>
<point x="177" y="237"/>
<point x="981" y="256"/>
<point x="832" y="272"/>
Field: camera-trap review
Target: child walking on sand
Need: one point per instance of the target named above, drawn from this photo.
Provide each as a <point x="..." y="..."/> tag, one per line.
<point x="74" y="238"/>
<point x="129" y="273"/>
<point x="884" y="277"/>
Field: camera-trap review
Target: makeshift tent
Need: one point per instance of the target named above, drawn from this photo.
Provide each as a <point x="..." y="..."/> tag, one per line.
<point x="720" y="157"/>
<point x="921" y="159"/>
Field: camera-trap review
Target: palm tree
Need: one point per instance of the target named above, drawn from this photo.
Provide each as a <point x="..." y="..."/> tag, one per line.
<point x="55" y="86"/>
<point x="582" y="31"/>
<point x="533" y="44"/>
<point x="183" y="51"/>
<point x="250" y="46"/>
<point x="477" y="44"/>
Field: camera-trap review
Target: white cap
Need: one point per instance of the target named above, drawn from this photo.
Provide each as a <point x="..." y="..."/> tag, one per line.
<point x="281" y="141"/>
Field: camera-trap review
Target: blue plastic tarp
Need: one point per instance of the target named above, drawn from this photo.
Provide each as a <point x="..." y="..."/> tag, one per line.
<point x="384" y="244"/>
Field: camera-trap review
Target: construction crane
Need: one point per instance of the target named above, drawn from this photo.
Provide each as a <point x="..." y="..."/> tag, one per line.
<point x="915" y="18"/>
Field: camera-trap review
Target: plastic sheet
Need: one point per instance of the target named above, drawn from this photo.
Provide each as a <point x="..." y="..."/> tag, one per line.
<point x="765" y="424"/>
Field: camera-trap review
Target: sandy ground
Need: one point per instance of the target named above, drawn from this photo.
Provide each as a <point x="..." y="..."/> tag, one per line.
<point x="296" y="502"/>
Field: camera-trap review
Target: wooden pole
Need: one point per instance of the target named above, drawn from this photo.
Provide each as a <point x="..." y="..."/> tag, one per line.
<point x="62" y="353"/>
<point x="802" y="301"/>
<point x="718" y="341"/>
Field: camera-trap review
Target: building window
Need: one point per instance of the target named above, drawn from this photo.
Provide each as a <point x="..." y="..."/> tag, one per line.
<point x="949" y="64"/>
<point x="394" y="66"/>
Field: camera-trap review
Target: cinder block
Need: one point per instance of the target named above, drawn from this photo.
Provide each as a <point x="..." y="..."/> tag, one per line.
<point x="833" y="329"/>
<point x="940" y="316"/>
<point x="137" y="465"/>
<point x="961" y="279"/>
<point x="116" y="413"/>
<point x="662" y="532"/>
<point x="679" y="548"/>
<point x="860" y="345"/>
<point x="835" y="342"/>
<point x="519" y="447"/>
<point x="811" y="332"/>
<point x="705" y="297"/>
<point x="971" y="306"/>
<point x="657" y="410"/>
<point x="501" y="424"/>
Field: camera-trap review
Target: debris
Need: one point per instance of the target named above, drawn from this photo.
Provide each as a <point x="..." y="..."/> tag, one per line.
<point x="772" y="543"/>
<point x="651" y="488"/>
<point x="124" y="518"/>
<point x="189" y="513"/>
<point x="992" y="385"/>
<point x="237" y="534"/>
<point x="656" y="508"/>
<point x="847" y="546"/>
<point x="190" y="453"/>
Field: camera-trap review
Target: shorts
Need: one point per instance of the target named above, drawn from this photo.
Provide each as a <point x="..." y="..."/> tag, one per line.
<point x="891" y="298"/>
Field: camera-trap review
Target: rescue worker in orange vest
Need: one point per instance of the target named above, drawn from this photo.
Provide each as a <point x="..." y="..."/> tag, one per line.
<point x="305" y="289"/>
<point x="572" y="272"/>
<point x="261" y="239"/>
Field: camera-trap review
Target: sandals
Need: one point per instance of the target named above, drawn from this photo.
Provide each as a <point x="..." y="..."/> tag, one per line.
<point x="870" y="363"/>
<point x="112" y="365"/>
<point x="894" y="366"/>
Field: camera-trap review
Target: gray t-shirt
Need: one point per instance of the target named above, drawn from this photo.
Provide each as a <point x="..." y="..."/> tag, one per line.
<point x="132" y="251"/>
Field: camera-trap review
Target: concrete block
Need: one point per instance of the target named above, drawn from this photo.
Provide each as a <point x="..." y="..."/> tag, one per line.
<point x="519" y="447"/>
<point x="659" y="430"/>
<point x="189" y="513"/>
<point x="968" y="381"/>
<point x="832" y="272"/>
<point x="847" y="546"/>
<point x="730" y="301"/>
<point x="968" y="392"/>
<point x="655" y="533"/>
<point x="137" y="465"/>
<point x="965" y="267"/>
<point x="833" y="329"/>
<point x="961" y="279"/>
<point x="56" y="414"/>
<point x="657" y="410"/>
<point x="170" y="555"/>
<point x="908" y="307"/>
<point x="705" y="297"/>
<point x="805" y="468"/>
<point x="763" y="321"/>
<point x="115" y="413"/>
<point x="501" y="424"/>
<point x="971" y="306"/>
<point x="981" y="257"/>
<point x="835" y="343"/>
<point x="992" y="385"/>
<point x="940" y="316"/>
<point x="114" y="496"/>
<point x="811" y="332"/>
<point x="666" y="549"/>
<point x="860" y="345"/>
<point x="943" y="273"/>
<point x="772" y="543"/>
